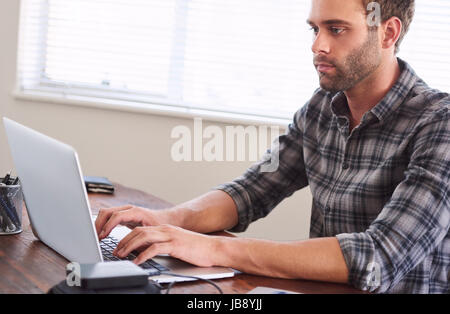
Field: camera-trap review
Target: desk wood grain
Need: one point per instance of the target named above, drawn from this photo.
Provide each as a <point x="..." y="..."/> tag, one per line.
<point x="29" y="266"/>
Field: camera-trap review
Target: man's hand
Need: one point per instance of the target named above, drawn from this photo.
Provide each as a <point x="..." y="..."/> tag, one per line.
<point x="156" y="232"/>
<point x="128" y="215"/>
<point x="191" y="247"/>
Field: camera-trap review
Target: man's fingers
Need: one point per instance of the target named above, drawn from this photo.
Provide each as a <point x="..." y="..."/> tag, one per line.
<point x="116" y="218"/>
<point x="105" y="213"/>
<point x="136" y="232"/>
<point x="152" y="251"/>
<point x="131" y="245"/>
<point x="141" y="237"/>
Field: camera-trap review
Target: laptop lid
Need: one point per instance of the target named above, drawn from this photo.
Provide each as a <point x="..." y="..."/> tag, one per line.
<point x="54" y="192"/>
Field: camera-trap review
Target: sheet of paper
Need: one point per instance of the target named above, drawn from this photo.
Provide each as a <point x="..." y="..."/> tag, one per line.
<point x="267" y="290"/>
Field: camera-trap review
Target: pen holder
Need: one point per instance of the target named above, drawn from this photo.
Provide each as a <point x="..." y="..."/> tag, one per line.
<point x="11" y="201"/>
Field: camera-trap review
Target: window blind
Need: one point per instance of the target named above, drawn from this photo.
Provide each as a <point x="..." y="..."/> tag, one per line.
<point x="426" y="47"/>
<point x="239" y="56"/>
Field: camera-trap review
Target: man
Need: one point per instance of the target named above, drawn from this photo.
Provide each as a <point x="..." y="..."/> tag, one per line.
<point x="373" y="144"/>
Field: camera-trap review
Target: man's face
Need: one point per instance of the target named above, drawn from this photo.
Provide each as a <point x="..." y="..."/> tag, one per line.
<point x="345" y="51"/>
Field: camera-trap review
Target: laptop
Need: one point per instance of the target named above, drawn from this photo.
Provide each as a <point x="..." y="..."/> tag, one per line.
<point x="59" y="210"/>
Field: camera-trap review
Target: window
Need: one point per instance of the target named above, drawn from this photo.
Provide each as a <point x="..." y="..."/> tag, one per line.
<point x="426" y="47"/>
<point x="241" y="56"/>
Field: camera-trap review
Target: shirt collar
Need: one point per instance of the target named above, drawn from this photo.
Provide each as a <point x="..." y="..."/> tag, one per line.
<point x="391" y="101"/>
<point x="397" y="94"/>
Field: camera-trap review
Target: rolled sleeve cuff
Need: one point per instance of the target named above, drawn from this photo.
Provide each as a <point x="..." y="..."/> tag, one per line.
<point x="242" y="201"/>
<point x="365" y="272"/>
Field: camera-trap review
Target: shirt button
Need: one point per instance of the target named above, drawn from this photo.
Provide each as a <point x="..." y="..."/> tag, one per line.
<point x="345" y="166"/>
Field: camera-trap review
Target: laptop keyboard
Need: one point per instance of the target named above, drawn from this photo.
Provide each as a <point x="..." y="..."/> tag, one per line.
<point x="108" y="245"/>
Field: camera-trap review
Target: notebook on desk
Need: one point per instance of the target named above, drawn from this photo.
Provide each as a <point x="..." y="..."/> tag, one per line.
<point x="59" y="210"/>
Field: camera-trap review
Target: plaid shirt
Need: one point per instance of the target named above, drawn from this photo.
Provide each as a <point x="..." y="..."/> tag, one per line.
<point x="382" y="189"/>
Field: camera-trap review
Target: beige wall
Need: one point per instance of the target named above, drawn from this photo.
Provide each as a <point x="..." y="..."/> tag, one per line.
<point x="131" y="148"/>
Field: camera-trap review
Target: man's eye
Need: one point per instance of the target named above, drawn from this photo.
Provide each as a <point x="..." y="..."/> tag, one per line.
<point x="314" y="29"/>
<point x="336" y="30"/>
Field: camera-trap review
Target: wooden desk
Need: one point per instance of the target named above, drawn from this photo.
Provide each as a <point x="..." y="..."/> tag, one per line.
<point x="29" y="266"/>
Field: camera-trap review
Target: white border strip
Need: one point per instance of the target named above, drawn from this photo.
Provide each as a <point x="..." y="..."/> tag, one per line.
<point x="153" y="109"/>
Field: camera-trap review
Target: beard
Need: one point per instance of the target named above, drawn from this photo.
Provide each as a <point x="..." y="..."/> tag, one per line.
<point x="358" y="65"/>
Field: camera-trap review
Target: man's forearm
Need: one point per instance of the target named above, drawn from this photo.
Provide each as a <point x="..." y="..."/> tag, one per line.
<point x="316" y="259"/>
<point x="213" y="211"/>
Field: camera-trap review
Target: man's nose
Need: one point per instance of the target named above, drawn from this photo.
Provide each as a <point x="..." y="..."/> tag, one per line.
<point x="321" y="44"/>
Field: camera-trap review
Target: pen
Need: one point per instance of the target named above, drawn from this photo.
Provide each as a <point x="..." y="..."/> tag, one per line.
<point x="6" y="219"/>
<point x="6" y="178"/>
<point x="8" y="207"/>
<point x="10" y="212"/>
<point x="10" y="217"/>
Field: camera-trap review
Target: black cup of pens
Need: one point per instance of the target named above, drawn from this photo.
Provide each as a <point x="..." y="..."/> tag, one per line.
<point x="11" y="200"/>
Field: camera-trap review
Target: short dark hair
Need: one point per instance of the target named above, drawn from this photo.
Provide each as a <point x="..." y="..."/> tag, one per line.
<point x="403" y="9"/>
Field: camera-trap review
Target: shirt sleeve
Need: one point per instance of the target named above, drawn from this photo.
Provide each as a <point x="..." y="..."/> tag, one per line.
<point x="415" y="220"/>
<point x="276" y="176"/>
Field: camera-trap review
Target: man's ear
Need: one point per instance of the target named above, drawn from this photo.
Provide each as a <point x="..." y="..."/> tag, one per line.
<point x="392" y="29"/>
